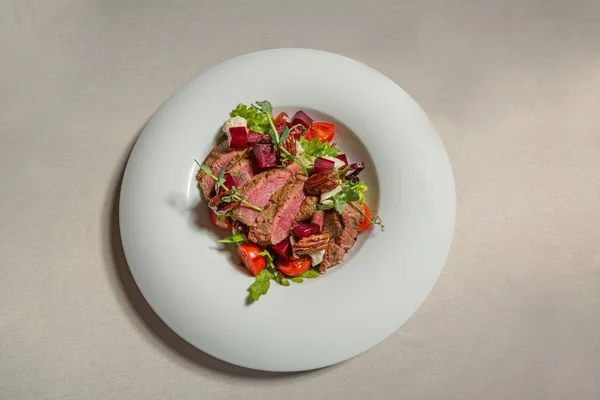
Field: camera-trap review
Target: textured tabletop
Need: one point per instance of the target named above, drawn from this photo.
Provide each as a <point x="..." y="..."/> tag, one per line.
<point x="514" y="91"/>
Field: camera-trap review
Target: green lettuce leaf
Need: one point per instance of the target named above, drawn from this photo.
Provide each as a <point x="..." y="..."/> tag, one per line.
<point x="257" y="120"/>
<point x="315" y="148"/>
<point x="360" y="188"/>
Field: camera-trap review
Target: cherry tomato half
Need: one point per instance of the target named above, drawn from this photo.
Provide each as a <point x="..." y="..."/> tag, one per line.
<point x="365" y="224"/>
<point x="253" y="261"/>
<point x="282" y="118"/>
<point x="294" y="267"/>
<point x="226" y="223"/>
<point x="321" y="130"/>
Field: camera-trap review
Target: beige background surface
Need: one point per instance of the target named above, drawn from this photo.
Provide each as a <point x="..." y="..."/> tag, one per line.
<point x="514" y="90"/>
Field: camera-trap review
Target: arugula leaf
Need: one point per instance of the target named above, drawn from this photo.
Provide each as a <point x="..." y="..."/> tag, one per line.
<point x="322" y="207"/>
<point x="350" y="194"/>
<point x="284" y="135"/>
<point x="237" y="238"/>
<point x="206" y="169"/>
<point x="257" y="120"/>
<point x="340" y="202"/>
<point x="316" y="148"/>
<point x="265" y="106"/>
<point x="267" y="254"/>
<point x="310" y="274"/>
<point x="276" y="275"/>
<point x="261" y="284"/>
<point x="273" y="138"/>
<point x="282" y="280"/>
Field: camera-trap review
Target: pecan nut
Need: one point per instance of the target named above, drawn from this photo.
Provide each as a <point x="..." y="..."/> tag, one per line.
<point x="311" y="244"/>
<point x="289" y="145"/>
<point x="321" y="182"/>
<point x="220" y="206"/>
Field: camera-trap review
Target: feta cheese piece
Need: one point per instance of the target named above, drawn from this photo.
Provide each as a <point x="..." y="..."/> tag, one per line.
<point x="325" y="196"/>
<point x="299" y="148"/>
<point x="234" y="121"/>
<point x="337" y="163"/>
<point x="317" y="257"/>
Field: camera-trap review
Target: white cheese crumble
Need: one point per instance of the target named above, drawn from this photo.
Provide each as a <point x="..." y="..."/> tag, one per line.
<point x="317" y="257"/>
<point x="331" y="193"/>
<point x="234" y="121"/>
<point x="299" y="148"/>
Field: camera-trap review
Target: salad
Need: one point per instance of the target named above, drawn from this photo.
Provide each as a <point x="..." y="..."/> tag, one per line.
<point x="290" y="197"/>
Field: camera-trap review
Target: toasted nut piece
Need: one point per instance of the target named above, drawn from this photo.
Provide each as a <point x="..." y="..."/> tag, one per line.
<point x="321" y="182"/>
<point x="289" y="145"/>
<point x="310" y="244"/>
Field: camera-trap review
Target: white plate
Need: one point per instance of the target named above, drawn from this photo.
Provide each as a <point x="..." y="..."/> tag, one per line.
<point x="194" y="286"/>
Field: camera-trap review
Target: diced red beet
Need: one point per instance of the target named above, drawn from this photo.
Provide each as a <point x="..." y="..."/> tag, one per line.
<point x="283" y="249"/>
<point x="323" y="164"/>
<point x="230" y="181"/>
<point x="265" y="155"/>
<point x="302" y="118"/>
<point x="306" y="229"/>
<point x="343" y="158"/>
<point x="256" y="137"/>
<point x="237" y="137"/>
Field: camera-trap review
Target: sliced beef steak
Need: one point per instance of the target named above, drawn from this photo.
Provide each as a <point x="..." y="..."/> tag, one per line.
<point x="243" y="171"/>
<point x="350" y="220"/>
<point x="260" y="188"/>
<point x="332" y="223"/>
<point x="275" y="222"/>
<point x="333" y="256"/>
<point x="307" y="210"/>
<point x="220" y="157"/>
<point x="319" y="218"/>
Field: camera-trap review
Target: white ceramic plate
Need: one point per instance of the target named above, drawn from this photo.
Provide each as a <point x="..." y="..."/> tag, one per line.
<point x="195" y="287"/>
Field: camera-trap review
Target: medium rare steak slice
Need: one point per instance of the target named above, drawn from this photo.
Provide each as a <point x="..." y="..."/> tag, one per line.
<point x="275" y="222"/>
<point x="333" y="256"/>
<point x="307" y="210"/>
<point x="243" y="171"/>
<point x="332" y="223"/>
<point x="319" y="218"/>
<point x="220" y="157"/>
<point x="350" y="220"/>
<point x="260" y="188"/>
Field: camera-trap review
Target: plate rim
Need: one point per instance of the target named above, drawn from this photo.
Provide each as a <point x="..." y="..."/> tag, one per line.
<point x="128" y="173"/>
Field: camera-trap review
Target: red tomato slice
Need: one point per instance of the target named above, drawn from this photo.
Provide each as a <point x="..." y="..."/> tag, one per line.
<point x="365" y="224"/>
<point x="294" y="267"/>
<point x="321" y="130"/>
<point x="282" y="118"/>
<point x="226" y="223"/>
<point x="253" y="261"/>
